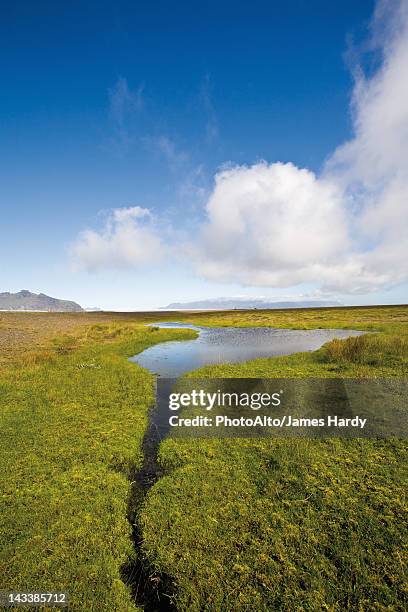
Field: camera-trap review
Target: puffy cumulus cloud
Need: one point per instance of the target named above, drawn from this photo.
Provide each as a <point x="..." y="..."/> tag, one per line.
<point x="127" y="240"/>
<point x="271" y="225"/>
<point x="345" y="229"/>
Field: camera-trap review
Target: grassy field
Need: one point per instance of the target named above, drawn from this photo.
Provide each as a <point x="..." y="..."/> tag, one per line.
<point x="383" y="318"/>
<point x="73" y="415"/>
<point x="289" y="524"/>
<point x="22" y="332"/>
<point x="234" y="524"/>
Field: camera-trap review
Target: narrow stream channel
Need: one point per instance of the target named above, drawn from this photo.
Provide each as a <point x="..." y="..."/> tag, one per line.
<point x="170" y="359"/>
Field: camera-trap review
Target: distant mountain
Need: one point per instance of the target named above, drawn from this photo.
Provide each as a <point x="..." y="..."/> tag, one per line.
<point x="246" y="303"/>
<point x="25" y="300"/>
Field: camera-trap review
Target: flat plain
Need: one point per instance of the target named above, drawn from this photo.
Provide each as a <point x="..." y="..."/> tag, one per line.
<point x="232" y="524"/>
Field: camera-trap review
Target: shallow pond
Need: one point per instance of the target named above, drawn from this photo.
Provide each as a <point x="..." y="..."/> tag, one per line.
<point x="230" y="344"/>
<point x="213" y="345"/>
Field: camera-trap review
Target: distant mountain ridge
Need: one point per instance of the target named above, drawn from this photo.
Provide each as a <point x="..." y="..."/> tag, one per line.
<point x="246" y="303"/>
<point x="25" y="300"/>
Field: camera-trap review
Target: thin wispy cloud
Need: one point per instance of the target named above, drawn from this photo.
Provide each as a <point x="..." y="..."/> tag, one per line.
<point x="194" y="186"/>
<point x="124" y="104"/>
<point x="211" y="126"/>
<point x="171" y="153"/>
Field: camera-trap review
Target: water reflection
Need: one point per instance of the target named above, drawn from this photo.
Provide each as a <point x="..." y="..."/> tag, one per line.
<point x="230" y="344"/>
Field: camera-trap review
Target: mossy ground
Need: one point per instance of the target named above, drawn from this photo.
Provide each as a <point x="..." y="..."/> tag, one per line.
<point x="236" y="524"/>
<point x="73" y="416"/>
<point x="289" y="524"/>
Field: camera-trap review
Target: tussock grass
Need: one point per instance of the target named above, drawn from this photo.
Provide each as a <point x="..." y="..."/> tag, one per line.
<point x="370" y="350"/>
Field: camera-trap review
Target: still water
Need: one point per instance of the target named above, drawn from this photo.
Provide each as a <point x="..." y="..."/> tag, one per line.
<point x="230" y="344"/>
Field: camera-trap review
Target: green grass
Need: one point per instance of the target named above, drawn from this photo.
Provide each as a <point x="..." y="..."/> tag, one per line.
<point x="362" y="356"/>
<point x="72" y="421"/>
<point x="288" y="524"/>
<point x="236" y="524"/>
<point x="369" y="318"/>
<point x="281" y="525"/>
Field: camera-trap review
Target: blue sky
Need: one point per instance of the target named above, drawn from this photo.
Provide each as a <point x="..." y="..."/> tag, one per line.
<point x="139" y="105"/>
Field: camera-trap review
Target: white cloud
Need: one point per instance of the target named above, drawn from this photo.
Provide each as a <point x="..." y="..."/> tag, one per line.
<point x="271" y="225"/>
<point x="278" y="225"/>
<point x="127" y="240"/>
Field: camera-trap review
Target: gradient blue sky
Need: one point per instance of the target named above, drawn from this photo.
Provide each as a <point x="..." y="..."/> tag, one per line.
<point x="117" y="104"/>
